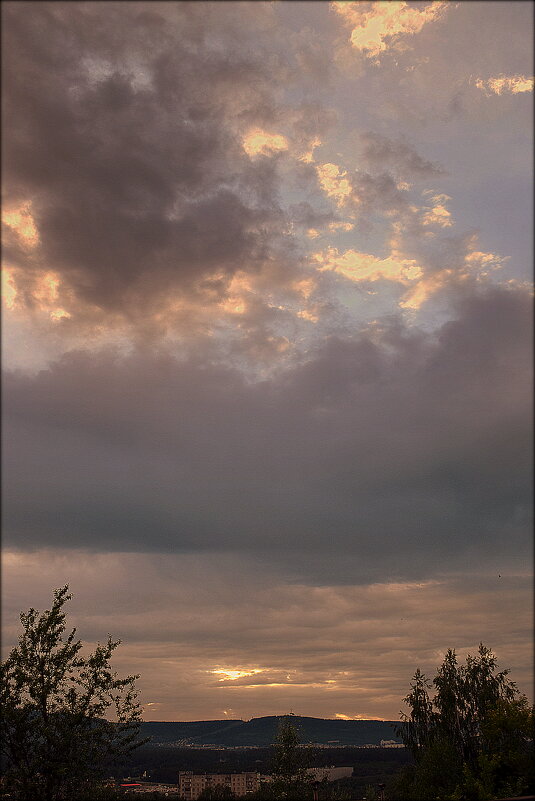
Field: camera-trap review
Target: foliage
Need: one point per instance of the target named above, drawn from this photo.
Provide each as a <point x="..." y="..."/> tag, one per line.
<point x="289" y="766"/>
<point x="473" y="740"/>
<point x="55" y="739"/>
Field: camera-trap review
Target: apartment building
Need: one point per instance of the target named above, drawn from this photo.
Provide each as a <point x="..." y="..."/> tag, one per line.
<point x="191" y="785"/>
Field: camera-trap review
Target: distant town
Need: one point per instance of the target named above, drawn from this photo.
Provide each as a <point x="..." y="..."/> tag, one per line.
<point x="233" y="758"/>
<point x="261" y="732"/>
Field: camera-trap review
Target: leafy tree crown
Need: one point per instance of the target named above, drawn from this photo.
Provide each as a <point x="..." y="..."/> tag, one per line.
<point x="55" y="737"/>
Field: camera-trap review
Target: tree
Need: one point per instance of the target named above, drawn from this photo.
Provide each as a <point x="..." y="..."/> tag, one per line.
<point x="289" y="766"/>
<point x="473" y="739"/>
<point x="55" y="739"/>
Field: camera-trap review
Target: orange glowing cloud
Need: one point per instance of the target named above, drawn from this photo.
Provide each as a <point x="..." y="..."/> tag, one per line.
<point x="333" y="182"/>
<point x="45" y="294"/>
<point x="502" y="84"/>
<point x="9" y="290"/>
<point x="484" y="262"/>
<point x="341" y="716"/>
<point x="233" y="674"/>
<point x="374" y="24"/>
<point x="309" y="314"/>
<point x="477" y="264"/>
<point x="341" y="226"/>
<point x="259" y="142"/>
<point x="437" y="213"/>
<point x="308" y="157"/>
<point x="358" y="266"/>
<point x="233" y="305"/>
<point x="423" y="289"/>
<point x="21" y="221"/>
<point x="238" y="291"/>
<point x="304" y="286"/>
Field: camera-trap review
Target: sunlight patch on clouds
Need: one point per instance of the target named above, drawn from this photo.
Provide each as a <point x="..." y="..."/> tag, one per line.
<point x="238" y="288"/>
<point x="358" y="266"/>
<point x="278" y="344"/>
<point x="341" y="716"/>
<point x="233" y="305"/>
<point x="485" y="262"/>
<point x="59" y="314"/>
<point x="45" y="294"/>
<point x="341" y="226"/>
<point x="305" y="287"/>
<point x="423" y="289"/>
<point x="478" y="264"/>
<point x="233" y="674"/>
<point x="502" y="84"/>
<point x="259" y="142"/>
<point x="333" y="182"/>
<point x="438" y="214"/>
<point x="308" y="314"/>
<point x="9" y="290"/>
<point x="375" y="24"/>
<point x="324" y="685"/>
<point x="240" y="282"/>
<point x="21" y="221"/>
<point x="308" y="157"/>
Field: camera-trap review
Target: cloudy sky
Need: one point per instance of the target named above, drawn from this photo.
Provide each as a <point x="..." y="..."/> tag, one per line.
<point x="267" y="342"/>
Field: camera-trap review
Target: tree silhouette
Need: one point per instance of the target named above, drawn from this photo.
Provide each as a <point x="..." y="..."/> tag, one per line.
<point x="473" y="739"/>
<point x="289" y="766"/>
<point x="55" y="739"/>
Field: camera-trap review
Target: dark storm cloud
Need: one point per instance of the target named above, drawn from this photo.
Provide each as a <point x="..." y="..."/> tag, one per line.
<point x="125" y="127"/>
<point x="385" y="454"/>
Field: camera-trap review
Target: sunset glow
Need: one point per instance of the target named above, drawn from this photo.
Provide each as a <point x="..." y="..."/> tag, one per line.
<point x="235" y="674"/>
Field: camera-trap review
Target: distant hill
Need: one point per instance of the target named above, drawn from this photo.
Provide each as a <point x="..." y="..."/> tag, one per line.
<point x="262" y="732"/>
<point x="192" y="731"/>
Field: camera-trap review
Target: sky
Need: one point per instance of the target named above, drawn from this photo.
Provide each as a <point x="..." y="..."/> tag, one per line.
<point x="267" y="343"/>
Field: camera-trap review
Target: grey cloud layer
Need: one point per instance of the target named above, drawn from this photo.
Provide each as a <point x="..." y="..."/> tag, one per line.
<point x="383" y="454"/>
